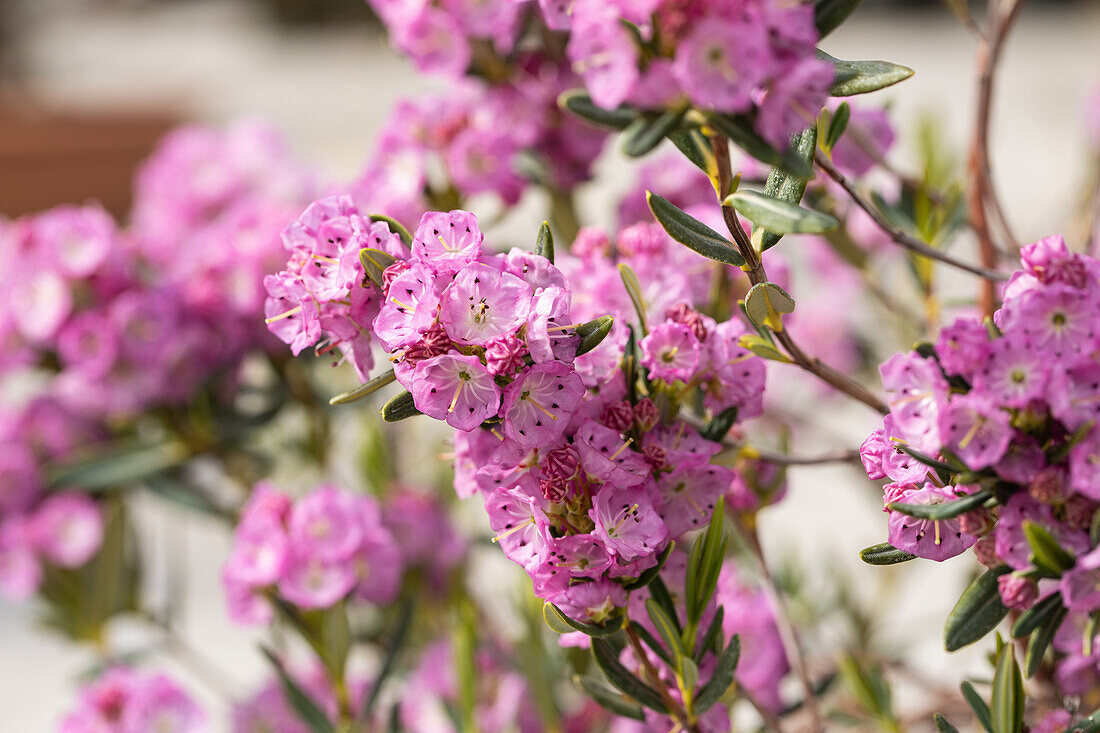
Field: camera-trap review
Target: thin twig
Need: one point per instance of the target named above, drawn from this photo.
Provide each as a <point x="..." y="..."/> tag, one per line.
<point x="983" y="201"/>
<point x="900" y="237"/>
<point x="754" y="268"/>
<point x="783" y="623"/>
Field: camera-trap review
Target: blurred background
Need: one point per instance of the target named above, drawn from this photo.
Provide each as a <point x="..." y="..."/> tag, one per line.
<point x="87" y="88"/>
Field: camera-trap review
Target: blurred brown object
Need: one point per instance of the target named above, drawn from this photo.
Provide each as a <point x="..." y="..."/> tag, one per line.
<point x="52" y="157"/>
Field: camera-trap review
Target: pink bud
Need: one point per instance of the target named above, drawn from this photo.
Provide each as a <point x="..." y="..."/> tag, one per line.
<point x="1049" y="486"/>
<point x="646" y="414"/>
<point x="985" y="551"/>
<point x="618" y="416"/>
<point x="1017" y="591"/>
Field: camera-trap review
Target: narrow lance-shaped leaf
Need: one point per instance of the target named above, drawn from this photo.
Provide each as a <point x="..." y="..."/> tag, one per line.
<point x="1045" y="550"/>
<point x="1037" y="615"/>
<point x="946" y="510"/>
<point x="375" y="262"/>
<point x="696" y="147"/>
<point x="710" y="640"/>
<point x="634" y="290"/>
<point x="667" y="631"/>
<point x="544" y="243"/>
<point x="308" y="711"/>
<point x="618" y="675"/>
<point x="400" y="407"/>
<point x="691" y="232"/>
<point x="942" y="725"/>
<point x="977" y="704"/>
<point x="862" y="77"/>
<point x="658" y="648"/>
<point x="1006" y="709"/>
<point x="779" y="216"/>
<point x="649" y="574"/>
<point x="977" y="612"/>
<point x="560" y="623"/>
<point x="787" y="187"/>
<point x="719" y="425"/>
<point x="739" y="129"/>
<point x="722" y="678"/>
<point x="1041" y="640"/>
<point x="126" y="466"/>
<point x="395" y="226"/>
<point x="610" y="699"/>
<point x="829" y="14"/>
<point x="762" y="348"/>
<point x="578" y="102"/>
<point x="364" y="390"/>
<point x="593" y="333"/>
<point x="884" y="554"/>
<point x="646" y="133"/>
<point x="837" y="125"/>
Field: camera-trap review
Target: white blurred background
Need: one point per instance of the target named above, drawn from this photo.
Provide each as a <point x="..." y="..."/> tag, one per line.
<point x="330" y="86"/>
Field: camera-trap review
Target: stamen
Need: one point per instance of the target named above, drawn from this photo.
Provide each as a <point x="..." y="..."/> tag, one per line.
<point x="458" y="391"/>
<point x="496" y="432"/>
<point x="970" y="434"/>
<point x="562" y="328"/>
<point x="544" y="411"/>
<point x="399" y="303"/>
<point x="626" y="515"/>
<point x="621" y="448"/>
<point x="333" y="260"/>
<point x="513" y="530"/>
<point x="938" y="538"/>
<point x="281" y="316"/>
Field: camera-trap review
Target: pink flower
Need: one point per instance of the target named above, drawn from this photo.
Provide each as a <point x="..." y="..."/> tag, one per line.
<point x="447" y="241"/>
<point x="67" y="529"/>
<point x="538" y="405"/>
<point x="689" y="493"/>
<point x="627" y="522"/>
<point x="671" y="352"/>
<point x="794" y="100"/>
<point x="1081" y="584"/>
<point x="483" y="304"/>
<point x="20" y="570"/>
<point x="325" y="525"/>
<point x="310" y="582"/>
<point x="975" y="429"/>
<point x="917" y="390"/>
<point x="933" y="539"/>
<point x="259" y="554"/>
<point x="721" y="61"/>
<point x="963" y="347"/>
<point x="409" y="309"/>
<point x="591" y="602"/>
<point x="520" y="525"/>
<point x="457" y="389"/>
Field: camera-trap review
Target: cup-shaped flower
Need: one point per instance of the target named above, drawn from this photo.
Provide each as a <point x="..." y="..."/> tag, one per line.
<point x="455" y="388"/>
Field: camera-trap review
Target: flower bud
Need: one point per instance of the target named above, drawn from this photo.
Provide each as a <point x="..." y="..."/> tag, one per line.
<point x="655" y="456"/>
<point x="1017" y="591"/>
<point x="646" y="414"/>
<point x="986" y="552"/>
<point x="1079" y="511"/>
<point x="1049" y="486"/>
<point x="554" y="488"/>
<point x="561" y="463"/>
<point x="390" y="273"/>
<point x="618" y="416"/>
<point x="504" y="355"/>
<point x="688" y="316"/>
<point x="976" y="523"/>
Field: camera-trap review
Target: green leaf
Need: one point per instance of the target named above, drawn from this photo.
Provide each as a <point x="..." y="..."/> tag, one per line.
<point x="647" y="576"/>
<point x="696" y="147"/>
<point x="579" y="103"/>
<point x="692" y="233"/>
<point x="868" y="687"/>
<point x="657" y="647"/>
<point x="884" y="554"/>
<point x="977" y="612"/>
<point x="562" y="624"/>
<point x="659" y="592"/>
<point x="544" y="243"/>
<point x="1046" y="553"/>
<point x="1090" y="724"/>
<point x="762" y="348"/>
<point x="1007" y="703"/>
<point x="364" y="390"/>
<point x="396" y="227"/>
<point x="392" y="651"/>
<point x="308" y="711"/>
<point x="710" y="640"/>
<point x="646" y="133"/>
<point x="942" y="725"/>
<point x="634" y="290"/>
<point x="722" y="678"/>
<point x="1041" y="640"/>
<point x="375" y="262"/>
<point x="786" y="187"/>
<point x="609" y="699"/>
<point x="766" y="304"/>
<point x="119" y="468"/>
<point x="977" y="704"/>
<point x="829" y="14"/>
<point x="705" y="565"/>
<point x="779" y="216"/>
<point x="716" y="428"/>
<point x="400" y="407"/>
<point x="667" y="630"/>
<point x="608" y="661"/>
<point x="946" y="510"/>
<point x="837" y="126"/>
<point x="937" y="465"/>
<point x="862" y="77"/>
<point x="739" y="129"/>
<point x="593" y="333"/>
<point x="1037" y="615"/>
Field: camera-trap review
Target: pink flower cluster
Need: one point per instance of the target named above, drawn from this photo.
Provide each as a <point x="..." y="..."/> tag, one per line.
<point x="313" y="552"/>
<point x="65" y="530"/>
<point x="478" y="139"/>
<point x="1015" y="401"/>
<point x="733" y="56"/>
<point x="123" y="700"/>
